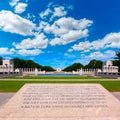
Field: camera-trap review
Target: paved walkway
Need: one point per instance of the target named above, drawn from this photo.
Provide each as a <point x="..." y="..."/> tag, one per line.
<point x="116" y="94"/>
<point x="4" y="97"/>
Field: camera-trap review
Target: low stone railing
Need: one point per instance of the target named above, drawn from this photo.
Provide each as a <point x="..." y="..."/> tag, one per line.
<point x="110" y="75"/>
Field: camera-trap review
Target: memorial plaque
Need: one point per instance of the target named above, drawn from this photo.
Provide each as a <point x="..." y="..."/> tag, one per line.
<point x="62" y="102"/>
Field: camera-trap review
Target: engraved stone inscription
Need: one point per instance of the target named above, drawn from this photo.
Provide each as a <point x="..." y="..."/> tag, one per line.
<point x="62" y="102"/>
<point x="63" y="97"/>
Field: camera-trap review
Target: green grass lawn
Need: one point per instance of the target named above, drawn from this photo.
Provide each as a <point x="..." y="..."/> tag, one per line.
<point x="13" y="84"/>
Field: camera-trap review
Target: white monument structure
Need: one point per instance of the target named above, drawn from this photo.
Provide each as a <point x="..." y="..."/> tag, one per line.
<point x="59" y="70"/>
<point x="36" y="71"/>
<point x="81" y="71"/>
<point x="7" y="66"/>
<point x="109" y="68"/>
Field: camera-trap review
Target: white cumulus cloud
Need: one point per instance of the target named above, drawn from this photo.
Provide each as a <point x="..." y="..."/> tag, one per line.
<point x="74" y="35"/>
<point x="56" y="41"/>
<point x="10" y="22"/>
<point x="58" y="12"/>
<point x="13" y="2"/>
<point x="106" y="55"/>
<point x="67" y="30"/>
<point x="45" y="13"/>
<point x="33" y="52"/>
<point x="6" y="51"/>
<point x="20" y="7"/>
<point x="40" y="41"/>
<point x="111" y="40"/>
<point x="82" y="46"/>
<point x="52" y="12"/>
<point x="63" y="29"/>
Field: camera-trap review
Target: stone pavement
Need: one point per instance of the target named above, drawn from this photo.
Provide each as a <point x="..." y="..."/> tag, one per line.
<point x="4" y="97"/>
<point x="62" y="102"/>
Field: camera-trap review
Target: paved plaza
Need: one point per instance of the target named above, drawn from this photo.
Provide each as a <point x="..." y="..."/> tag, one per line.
<point x="60" y="101"/>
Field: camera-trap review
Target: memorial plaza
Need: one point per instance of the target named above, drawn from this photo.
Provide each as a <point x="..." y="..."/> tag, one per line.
<point x="89" y="95"/>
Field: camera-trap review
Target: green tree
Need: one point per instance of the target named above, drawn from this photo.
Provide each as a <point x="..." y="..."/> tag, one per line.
<point x="74" y="67"/>
<point x="94" y="64"/>
<point x="48" y="68"/>
<point x="118" y="55"/>
<point x="1" y="60"/>
<point x="20" y="63"/>
<point x="117" y="61"/>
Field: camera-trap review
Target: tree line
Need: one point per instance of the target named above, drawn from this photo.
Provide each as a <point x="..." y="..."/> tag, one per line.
<point x="93" y="64"/>
<point x="117" y="61"/>
<point x="20" y="63"/>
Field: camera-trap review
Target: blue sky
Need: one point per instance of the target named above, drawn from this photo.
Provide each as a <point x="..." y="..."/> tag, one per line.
<point x="59" y="33"/>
